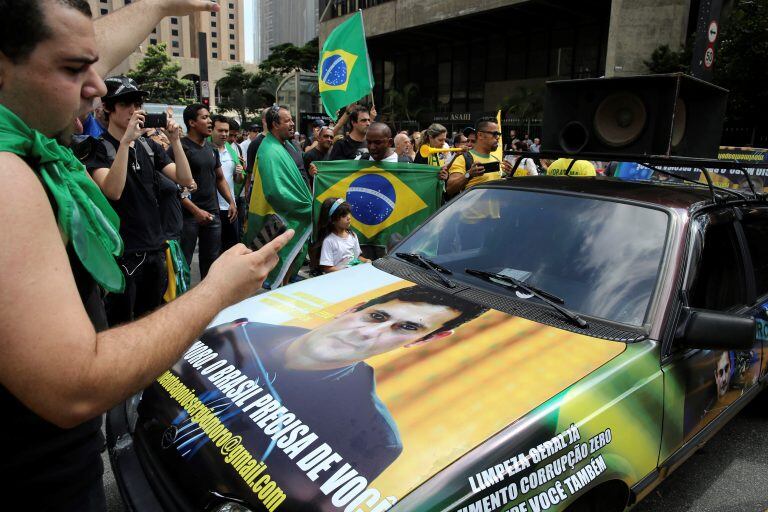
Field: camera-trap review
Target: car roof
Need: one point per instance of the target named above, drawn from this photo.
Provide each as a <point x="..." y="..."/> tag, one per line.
<point x="666" y="195"/>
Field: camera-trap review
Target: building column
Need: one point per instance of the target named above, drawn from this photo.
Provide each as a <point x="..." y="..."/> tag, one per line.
<point x="638" y="27"/>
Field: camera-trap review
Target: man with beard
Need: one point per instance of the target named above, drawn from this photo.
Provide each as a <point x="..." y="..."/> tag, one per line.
<point x="201" y="210"/>
<point x="280" y="195"/>
<point x="57" y="250"/>
<point x="463" y="176"/>
<point x="322" y="143"/>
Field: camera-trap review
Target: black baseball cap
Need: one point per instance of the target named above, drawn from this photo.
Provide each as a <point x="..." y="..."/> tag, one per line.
<point x="468" y="130"/>
<point x="122" y="87"/>
<point x="318" y="123"/>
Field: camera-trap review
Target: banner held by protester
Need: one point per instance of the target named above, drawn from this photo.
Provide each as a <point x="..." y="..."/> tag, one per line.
<point x="386" y="198"/>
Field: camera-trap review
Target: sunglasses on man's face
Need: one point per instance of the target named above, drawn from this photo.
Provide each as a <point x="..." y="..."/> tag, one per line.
<point x="495" y="135"/>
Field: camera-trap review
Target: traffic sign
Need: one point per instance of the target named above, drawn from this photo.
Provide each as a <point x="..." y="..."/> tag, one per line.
<point x="205" y="89"/>
<point x="709" y="57"/>
<point x="712" y="31"/>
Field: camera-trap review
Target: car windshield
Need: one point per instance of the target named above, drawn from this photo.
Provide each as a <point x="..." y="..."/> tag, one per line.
<point x="601" y="257"/>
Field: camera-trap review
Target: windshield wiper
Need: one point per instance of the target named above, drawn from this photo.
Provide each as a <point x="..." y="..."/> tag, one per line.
<point x="436" y="268"/>
<point x="548" y="298"/>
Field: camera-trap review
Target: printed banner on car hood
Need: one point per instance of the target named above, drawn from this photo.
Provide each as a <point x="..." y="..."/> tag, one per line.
<point x="354" y="394"/>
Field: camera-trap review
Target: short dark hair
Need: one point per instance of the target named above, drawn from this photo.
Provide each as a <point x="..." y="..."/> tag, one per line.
<point x="218" y="118"/>
<point x="468" y="310"/>
<point x="356" y="112"/>
<point x="483" y="123"/>
<point x="24" y="25"/>
<point x="190" y="113"/>
<point x="272" y="115"/>
<point x="384" y="127"/>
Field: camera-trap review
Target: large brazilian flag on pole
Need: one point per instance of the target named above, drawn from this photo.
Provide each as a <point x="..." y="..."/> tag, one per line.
<point x="344" y="71"/>
<point x="385" y="197"/>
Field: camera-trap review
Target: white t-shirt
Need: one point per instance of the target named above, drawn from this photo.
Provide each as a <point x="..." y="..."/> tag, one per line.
<point x="228" y="168"/>
<point x="391" y="158"/>
<point x="338" y="251"/>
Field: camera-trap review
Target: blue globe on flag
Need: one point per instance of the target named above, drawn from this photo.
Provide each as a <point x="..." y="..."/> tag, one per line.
<point x="334" y="70"/>
<point x="372" y="198"/>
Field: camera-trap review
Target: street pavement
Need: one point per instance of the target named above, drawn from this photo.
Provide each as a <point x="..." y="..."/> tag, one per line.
<point x="728" y="474"/>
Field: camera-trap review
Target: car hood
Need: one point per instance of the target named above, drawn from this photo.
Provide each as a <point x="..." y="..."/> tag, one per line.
<point x="236" y="417"/>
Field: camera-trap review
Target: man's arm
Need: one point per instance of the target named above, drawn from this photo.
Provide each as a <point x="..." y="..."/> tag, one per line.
<point x="179" y="170"/>
<point x="201" y="216"/>
<point x="56" y="364"/>
<point x="119" y="33"/>
<point x="111" y="180"/>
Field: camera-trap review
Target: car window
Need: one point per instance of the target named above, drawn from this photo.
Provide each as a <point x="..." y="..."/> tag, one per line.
<point x="755" y="224"/>
<point x="717" y="280"/>
<point x="602" y="257"/>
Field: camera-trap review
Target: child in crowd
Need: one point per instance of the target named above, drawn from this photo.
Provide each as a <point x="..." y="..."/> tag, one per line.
<point x="340" y="247"/>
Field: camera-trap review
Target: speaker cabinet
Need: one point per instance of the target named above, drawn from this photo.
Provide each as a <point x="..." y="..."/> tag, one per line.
<point x="671" y="114"/>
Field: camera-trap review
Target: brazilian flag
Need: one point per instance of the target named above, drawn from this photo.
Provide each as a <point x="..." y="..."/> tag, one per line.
<point x="386" y="198"/>
<point x="344" y="71"/>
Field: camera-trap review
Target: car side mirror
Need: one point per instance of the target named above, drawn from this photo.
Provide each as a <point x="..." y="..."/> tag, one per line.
<point x="712" y="330"/>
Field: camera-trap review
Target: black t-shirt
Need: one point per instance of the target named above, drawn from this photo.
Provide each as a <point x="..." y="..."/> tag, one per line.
<point x="203" y="161"/>
<point x="55" y="465"/>
<point x="138" y="206"/>
<point x="170" y="208"/>
<point x="313" y="155"/>
<point x="347" y="149"/>
<point x="253" y="148"/>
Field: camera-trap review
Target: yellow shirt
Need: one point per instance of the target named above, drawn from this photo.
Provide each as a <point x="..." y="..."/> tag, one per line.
<point x="458" y="166"/>
<point x="580" y="168"/>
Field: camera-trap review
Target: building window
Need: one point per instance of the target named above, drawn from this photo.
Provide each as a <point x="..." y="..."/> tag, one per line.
<point x="104" y="11"/>
<point x="232" y="47"/>
<point x="175" y="54"/>
<point x="232" y="37"/>
<point x="231" y="16"/>
<point x="154" y="30"/>
<point x="103" y="1"/>
<point x="231" y="26"/>
<point x="231" y="5"/>
<point x="153" y="41"/>
<point x="213" y="14"/>
<point x="174" y="31"/>
<point x="174" y="21"/>
<point x="174" y="44"/>
<point x="214" y="44"/>
<point x="232" y="56"/>
<point x="213" y="24"/>
<point x="214" y="34"/>
<point x="215" y="55"/>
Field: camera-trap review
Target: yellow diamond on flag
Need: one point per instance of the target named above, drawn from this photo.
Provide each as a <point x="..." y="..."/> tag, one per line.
<point x="378" y="199"/>
<point x="335" y="70"/>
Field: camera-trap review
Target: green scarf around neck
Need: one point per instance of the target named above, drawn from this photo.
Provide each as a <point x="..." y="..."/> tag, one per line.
<point x="84" y="215"/>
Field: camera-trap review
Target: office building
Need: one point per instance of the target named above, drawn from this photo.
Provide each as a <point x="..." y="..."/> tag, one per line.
<point x="224" y="36"/>
<point x="284" y="21"/>
<point x="467" y="57"/>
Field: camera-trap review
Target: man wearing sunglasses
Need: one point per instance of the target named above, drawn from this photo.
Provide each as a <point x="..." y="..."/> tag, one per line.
<point x="463" y="176"/>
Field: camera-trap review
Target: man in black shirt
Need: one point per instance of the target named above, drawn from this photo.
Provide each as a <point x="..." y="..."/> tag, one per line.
<point x="353" y="144"/>
<point x="324" y="140"/>
<point x="201" y="210"/>
<point x="125" y="166"/>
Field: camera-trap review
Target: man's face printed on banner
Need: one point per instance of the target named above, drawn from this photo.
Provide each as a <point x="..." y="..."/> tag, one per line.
<point x="723" y="374"/>
<point x="359" y="334"/>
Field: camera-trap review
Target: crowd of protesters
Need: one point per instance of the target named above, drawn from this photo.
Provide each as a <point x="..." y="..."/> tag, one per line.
<point x="174" y="193"/>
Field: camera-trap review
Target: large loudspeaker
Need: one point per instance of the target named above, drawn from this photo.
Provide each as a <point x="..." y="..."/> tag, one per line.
<point x="641" y="115"/>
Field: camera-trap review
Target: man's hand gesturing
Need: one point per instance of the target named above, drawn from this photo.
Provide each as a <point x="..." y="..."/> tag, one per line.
<point x="239" y="272"/>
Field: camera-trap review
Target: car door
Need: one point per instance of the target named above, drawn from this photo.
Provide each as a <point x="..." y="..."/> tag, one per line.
<point x="699" y="385"/>
<point x="754" y="222"/>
